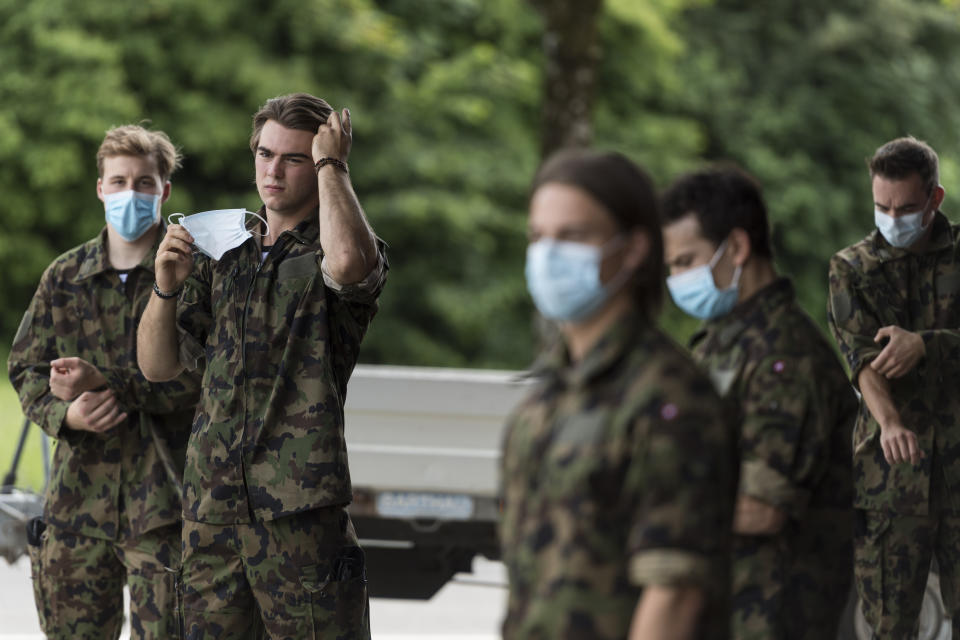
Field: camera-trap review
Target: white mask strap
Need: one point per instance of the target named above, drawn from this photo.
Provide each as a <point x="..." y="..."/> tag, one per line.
<point x="265" y="224"/>
<point x="179" y="220"/>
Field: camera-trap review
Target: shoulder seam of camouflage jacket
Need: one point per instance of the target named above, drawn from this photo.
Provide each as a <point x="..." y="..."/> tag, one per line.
<point x="279" y="347"/>
<point x="870" y="288"/>
<point x="93" y="474"/>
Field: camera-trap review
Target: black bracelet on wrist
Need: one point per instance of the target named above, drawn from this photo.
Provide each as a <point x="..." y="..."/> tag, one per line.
<point x="339" y="164"/>
<point x="165" y="296"/>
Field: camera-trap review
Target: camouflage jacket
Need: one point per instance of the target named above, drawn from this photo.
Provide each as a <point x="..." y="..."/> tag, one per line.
<point x="82" y="308"/>
<point x="617" y="472"/>
<point x="792" y="401"/>
<point x="280" y="340"/>
<point x="873" y="285"/>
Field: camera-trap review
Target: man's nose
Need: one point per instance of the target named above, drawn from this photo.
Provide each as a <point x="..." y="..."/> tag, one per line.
<point x="275" y="167"/>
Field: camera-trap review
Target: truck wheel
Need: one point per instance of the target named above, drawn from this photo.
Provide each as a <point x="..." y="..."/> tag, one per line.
<point x="933" y="620"/>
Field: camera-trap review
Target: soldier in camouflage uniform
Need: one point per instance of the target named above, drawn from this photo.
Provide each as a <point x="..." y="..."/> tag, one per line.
<point x="617" y="470"/>
<point x="112" y="509"/>
<point x="277" y="323"/>
<point x="894" y="310"/>
<point x="794" y="407"/>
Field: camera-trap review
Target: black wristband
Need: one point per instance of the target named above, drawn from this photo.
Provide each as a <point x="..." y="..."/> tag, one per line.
<point x="339" y="164"/>
<point x="165" y="296"/>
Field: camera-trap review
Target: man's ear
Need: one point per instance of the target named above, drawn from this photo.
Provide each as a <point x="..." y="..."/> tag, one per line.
<point x="738" y="246"/>
<point x="938" y="194"/>
<point x="100" y="189"/>
<point x="637" y="249"/>
<point x="165" y="195"/>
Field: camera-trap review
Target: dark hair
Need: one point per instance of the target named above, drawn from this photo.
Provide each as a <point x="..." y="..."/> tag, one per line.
<point x="901" y="158"/>
<point x="722" y="198"/>
<point x="626" y="192"/>
<point x="293" y="111"/>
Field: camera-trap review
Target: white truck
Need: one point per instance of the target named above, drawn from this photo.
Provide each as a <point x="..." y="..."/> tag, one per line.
<point x="424" y="447"/>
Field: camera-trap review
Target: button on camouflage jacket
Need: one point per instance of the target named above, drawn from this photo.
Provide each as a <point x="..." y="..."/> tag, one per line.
<point x="873" y="285"/>
<point x="795" y="408"/>
<point x="279" y="341"/>
<point x="617" y="472"/>
<point x="82" y="308"/>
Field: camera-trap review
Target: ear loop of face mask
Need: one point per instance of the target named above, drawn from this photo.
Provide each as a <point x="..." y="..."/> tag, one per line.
<point x="737" y="270"/>
<point x="170" y="220"/>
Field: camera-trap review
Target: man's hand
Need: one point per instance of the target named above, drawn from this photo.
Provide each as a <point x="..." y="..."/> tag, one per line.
<point x="174" y="261"/>
<point x="899" y="444"/>
<point x="334" y="138"/>
<point x="901" y="354"/>
<point x="754" y="517"/>
<point x="69" y="377"/>
<point x="95" y="411"/>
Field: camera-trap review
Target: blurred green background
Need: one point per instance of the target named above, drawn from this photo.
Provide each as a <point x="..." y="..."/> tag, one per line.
<point x="450" y="102"/>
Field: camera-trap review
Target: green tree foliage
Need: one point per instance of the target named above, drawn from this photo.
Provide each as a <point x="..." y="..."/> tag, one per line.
<point x="446" y="97"/>
<point x="801" y="93"/>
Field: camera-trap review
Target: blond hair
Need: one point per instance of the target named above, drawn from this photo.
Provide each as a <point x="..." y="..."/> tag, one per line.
<point x="135" y="140"/>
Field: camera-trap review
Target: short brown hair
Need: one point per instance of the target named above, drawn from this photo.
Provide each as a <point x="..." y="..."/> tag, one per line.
<point x="135" y="140"/>
<point x="294" y="111"/>
<point x="627" y="193"/>
<point x="901" y="158"/>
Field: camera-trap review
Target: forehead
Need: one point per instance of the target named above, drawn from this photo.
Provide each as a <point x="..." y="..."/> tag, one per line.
<point x="555" y="206"/>
<point x="683" y="235"/>
<point x="889" y="191"/>
<point x="280" y="140"/>
<point x="129" y="166"/>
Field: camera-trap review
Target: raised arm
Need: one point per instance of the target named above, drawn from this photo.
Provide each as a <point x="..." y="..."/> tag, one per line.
<point x="349" y="247"/>
<point x="157" y="344"/>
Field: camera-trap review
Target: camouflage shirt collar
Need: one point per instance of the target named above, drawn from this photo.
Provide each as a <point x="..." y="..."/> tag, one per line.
<point x="555" y="361"/>
<point x="306" y="231"/>
<point x="752" y="312"/>
<point x="96" y="261"/>
<point x="941" y="238"/>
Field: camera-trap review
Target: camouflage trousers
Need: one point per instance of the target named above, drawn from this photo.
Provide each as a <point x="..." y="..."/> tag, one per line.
<point x="795" y="585"/>
<point x="78" y="584"/>
<point x="893" y="554"/>
<point x="299" y="577"/>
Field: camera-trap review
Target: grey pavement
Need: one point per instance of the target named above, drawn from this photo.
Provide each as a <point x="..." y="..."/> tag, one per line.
<point x="469" y="607"/>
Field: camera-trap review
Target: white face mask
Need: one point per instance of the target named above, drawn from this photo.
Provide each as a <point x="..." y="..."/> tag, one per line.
<point x="216" y="232"/>
<point x="904" y="230"/>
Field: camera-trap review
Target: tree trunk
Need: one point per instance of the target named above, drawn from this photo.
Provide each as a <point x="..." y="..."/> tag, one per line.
<point x="571" y="50"/>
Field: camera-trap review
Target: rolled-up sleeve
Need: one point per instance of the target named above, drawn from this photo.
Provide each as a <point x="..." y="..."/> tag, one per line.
<point x="368" y="289"/>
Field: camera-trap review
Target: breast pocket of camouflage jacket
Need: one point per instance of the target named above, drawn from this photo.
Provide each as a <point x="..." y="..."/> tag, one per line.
<point x="947" y="287"/>
<point x="295" y="275"/>
<point x="579" y="459"/>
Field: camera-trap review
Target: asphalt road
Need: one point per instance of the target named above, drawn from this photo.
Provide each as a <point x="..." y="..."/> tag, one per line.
<point x="468" y="607"/>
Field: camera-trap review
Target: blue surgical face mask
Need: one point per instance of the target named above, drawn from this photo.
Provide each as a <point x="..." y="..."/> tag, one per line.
<point x="904" y="230"/>
<point x="695" y="292"/>
<point x="564" y="278"/>
<point x="132" y="213"/>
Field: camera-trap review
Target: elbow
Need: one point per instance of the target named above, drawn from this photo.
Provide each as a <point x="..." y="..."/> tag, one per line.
<point x="156" y="373"/>
<point x="350" y="266"/>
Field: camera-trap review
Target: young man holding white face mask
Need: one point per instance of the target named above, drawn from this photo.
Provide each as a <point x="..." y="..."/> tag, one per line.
<point x="112" y="510"/>
<point x="789" y="399"/>
<point x="894" y="310"/>
<point x="274" y="314"/>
